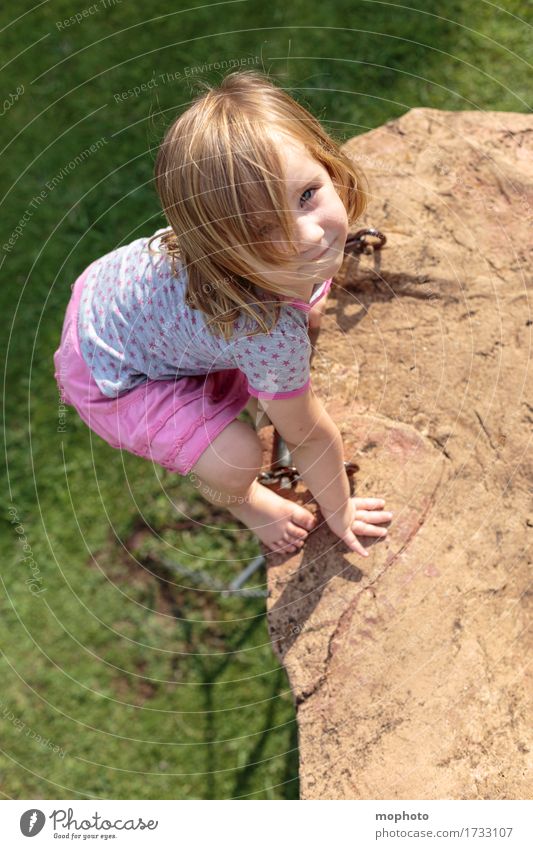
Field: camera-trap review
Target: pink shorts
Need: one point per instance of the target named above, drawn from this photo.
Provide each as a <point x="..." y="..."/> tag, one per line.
<point x="170" y="422"/>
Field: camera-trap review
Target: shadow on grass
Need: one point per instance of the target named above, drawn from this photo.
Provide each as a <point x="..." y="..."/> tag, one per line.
<point x="209" y="670"/>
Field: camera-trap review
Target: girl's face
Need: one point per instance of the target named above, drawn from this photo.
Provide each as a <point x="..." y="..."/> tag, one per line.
<point x="320" y="219"/>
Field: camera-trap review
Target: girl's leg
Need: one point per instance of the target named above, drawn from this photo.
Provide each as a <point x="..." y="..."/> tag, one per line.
<point x="226" y="475"/>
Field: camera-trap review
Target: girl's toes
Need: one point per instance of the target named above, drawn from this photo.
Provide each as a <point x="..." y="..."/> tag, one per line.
<point x="302" y="517"/>
<point x="296" y="532"/>
<point x="292" y="540"/>
<point x="294" y="544"/>
<point x="294" y="537"/>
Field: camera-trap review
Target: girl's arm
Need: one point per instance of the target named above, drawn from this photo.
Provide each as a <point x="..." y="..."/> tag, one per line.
<point x="315" y="445"/>
<point x="324" y="440"/>
<point x="316" y="312"/>
<point x="316" y="448"/>
<point x="315" y="318"/>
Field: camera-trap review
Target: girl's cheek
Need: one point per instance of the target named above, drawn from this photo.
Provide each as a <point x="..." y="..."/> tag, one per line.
<point x="341" y="214"/>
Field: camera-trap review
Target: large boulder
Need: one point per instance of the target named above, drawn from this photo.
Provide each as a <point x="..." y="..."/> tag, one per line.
<point x="409" y="669"/>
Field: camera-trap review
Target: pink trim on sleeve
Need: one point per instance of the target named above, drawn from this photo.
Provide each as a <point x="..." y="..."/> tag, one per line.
<point x="258" y="393"/>
<point x="321" y="292"/>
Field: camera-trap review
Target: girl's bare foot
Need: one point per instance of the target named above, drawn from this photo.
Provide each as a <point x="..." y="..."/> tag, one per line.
<point x="280" y="524"/>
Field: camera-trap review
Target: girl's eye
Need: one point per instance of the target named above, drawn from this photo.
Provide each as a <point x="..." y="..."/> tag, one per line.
<point x="314" y="189"/>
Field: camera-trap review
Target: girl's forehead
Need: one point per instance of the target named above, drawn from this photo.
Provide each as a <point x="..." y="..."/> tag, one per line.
<point x="297" y="161"/>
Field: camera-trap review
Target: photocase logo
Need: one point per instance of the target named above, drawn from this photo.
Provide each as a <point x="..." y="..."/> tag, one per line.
<point x="31" y="822"/>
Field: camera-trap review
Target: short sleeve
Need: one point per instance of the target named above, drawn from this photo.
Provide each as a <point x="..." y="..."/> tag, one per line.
<point x="276" y="364"/>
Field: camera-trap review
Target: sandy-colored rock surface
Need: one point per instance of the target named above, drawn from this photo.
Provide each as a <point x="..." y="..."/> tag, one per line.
<point x="409" y="669"/>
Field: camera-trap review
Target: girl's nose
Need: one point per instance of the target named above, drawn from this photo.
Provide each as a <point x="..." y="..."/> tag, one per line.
<point x="312" y="236"/>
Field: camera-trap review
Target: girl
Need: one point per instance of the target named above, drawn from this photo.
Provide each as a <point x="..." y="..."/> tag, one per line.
<point x="167" y="339"/>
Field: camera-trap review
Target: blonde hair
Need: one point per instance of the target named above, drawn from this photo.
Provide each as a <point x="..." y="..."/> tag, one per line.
<point x="219" y="177"/>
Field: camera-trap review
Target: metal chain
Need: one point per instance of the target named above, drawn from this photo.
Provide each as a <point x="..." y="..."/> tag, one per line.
<point x="197" y="575"/>
<point x="359" y="243"/>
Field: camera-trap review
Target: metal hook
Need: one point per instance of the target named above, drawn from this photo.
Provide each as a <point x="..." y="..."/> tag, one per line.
<point x="357" y="242"/>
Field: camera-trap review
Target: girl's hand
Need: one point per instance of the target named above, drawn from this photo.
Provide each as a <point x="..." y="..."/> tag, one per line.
<point x="360" y="516"/>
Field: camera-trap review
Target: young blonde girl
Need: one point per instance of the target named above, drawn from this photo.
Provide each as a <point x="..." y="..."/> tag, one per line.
<point x="168" y="339"/>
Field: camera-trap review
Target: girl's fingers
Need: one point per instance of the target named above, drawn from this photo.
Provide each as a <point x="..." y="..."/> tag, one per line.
<point x="368" y="530"/>
<point x="376" y="516"/>
<point x="369" y="503"/>
<point x="353" y="543"/>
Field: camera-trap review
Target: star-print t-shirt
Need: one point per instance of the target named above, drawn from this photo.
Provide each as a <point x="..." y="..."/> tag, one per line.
<point x="134" y="326"/>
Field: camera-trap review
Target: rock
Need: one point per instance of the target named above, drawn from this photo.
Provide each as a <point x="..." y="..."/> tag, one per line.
<point x="409" y="668"/>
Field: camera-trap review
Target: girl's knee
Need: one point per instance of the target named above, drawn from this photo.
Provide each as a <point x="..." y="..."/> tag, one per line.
<point x="233" y="460"/>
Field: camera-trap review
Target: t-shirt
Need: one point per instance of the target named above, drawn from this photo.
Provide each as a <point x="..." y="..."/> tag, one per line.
<point x="134" y="326"/>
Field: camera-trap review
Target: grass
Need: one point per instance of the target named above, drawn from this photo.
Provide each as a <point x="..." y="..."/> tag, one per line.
<point x="117" y="683"/>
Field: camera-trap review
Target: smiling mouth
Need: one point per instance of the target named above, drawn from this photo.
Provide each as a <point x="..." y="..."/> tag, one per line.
<point x="321" y="254"/>
<point x="324" y="251"/>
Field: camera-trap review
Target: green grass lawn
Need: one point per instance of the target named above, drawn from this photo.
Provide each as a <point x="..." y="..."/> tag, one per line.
<point x="117" y="680"/>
